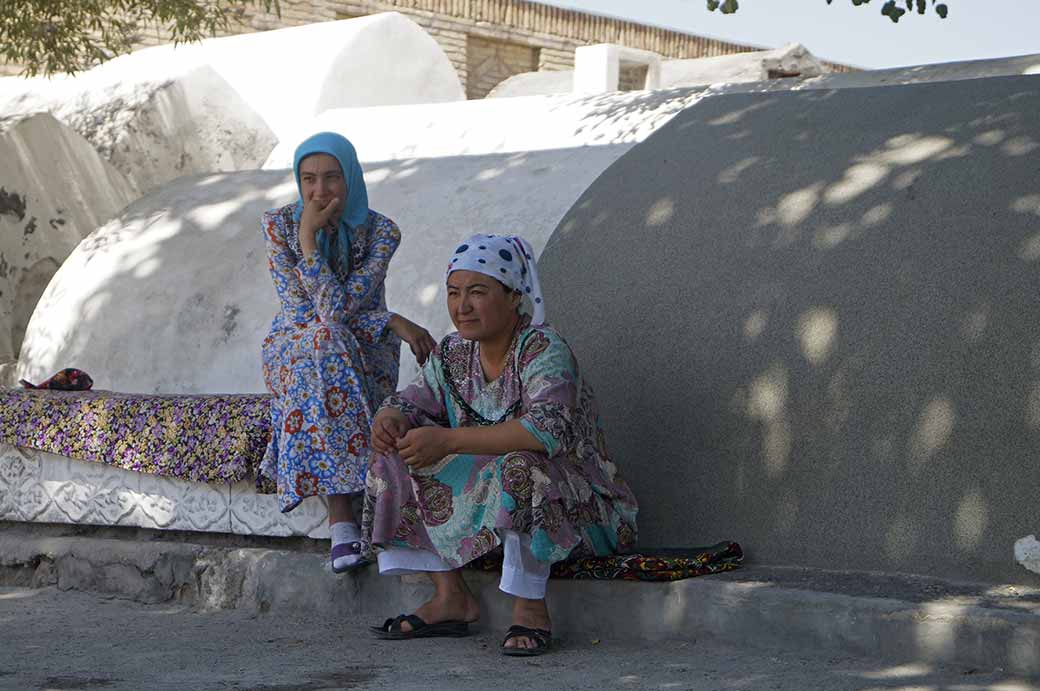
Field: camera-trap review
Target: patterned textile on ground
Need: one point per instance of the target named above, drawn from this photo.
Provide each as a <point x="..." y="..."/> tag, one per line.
<point x="202" y="438"/>
<point x="666" y="565"/>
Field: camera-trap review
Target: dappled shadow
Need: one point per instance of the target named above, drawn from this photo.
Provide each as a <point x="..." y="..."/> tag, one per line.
<point x="616" y="117"/>
<point x="822" y="336"/>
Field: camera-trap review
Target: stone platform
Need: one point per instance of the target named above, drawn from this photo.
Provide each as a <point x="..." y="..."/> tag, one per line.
<point x="895" y="619"/>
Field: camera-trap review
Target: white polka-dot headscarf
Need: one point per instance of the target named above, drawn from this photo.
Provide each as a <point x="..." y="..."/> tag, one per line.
<point x="510" y="260"/>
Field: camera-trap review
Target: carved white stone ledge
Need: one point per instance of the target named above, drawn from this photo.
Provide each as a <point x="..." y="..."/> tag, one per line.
<point x="41" y="487"/>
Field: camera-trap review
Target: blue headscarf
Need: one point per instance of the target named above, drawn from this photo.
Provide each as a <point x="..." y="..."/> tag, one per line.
<point x="354" y="209"/>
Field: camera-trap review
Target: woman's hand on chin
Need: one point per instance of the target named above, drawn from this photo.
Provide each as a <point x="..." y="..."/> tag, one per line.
<point x="315" y="217"/>
<point x="424" y="446"/>
<point x="417" y="338"/>
<point x="388" y="426"/>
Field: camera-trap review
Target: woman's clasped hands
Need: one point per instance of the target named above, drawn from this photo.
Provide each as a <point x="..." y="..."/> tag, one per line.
<point x="419" y="446"/>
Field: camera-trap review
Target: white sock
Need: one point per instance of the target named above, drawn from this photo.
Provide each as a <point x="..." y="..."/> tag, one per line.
<point x="345" y="531"/>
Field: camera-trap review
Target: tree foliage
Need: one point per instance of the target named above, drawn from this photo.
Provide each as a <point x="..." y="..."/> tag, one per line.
<point x="54" y="36"/>
<point x="891" y="9"/>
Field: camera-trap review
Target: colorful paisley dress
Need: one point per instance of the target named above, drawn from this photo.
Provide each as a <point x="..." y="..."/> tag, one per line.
<point x="569" y="498"/>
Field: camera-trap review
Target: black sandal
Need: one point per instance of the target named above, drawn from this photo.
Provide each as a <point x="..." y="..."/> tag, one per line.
<point x="541" y="637"/>
<point x="391" y="629"/>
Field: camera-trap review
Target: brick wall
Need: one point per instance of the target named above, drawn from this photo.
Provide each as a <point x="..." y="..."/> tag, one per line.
<point x="504" y="33"/>
<point x="490" y="62"/>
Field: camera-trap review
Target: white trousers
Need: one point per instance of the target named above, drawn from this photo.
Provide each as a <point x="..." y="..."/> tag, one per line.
<point x="522" y="574"/>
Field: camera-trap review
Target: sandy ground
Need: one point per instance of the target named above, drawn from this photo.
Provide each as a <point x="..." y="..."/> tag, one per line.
<point x="74" y="640"/>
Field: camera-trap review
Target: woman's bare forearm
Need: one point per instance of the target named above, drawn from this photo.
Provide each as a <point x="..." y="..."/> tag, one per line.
<point x="494" y="439"/>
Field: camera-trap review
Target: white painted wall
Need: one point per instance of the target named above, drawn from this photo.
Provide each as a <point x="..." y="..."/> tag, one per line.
<point x="288" y="74"/>
<point x="54" y="190"/>
<point x="153" y="122"/>
<point x="1027" y="553"/>
<point x="793" y="59"/>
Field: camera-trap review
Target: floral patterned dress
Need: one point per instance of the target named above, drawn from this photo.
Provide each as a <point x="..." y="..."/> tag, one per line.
<point x="329" y="358"/>
<point x="569" y="499"/>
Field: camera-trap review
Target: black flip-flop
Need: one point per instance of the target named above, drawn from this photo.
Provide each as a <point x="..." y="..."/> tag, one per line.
<point x="541" y="637"/>
<point x="391" y="629"/>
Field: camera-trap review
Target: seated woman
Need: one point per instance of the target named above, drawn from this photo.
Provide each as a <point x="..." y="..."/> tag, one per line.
<point x="496" y="443"/>
<point x="333" y="350"/>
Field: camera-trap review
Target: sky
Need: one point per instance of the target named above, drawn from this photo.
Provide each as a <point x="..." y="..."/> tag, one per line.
<point x="840" y="32"/>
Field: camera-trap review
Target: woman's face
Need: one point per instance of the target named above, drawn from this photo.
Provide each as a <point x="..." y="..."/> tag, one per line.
<point x="321" y="180"/>
<point x="481" y="308"/>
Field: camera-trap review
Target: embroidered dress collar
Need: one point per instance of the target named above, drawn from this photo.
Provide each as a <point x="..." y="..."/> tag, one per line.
<point x="484" y="402"/>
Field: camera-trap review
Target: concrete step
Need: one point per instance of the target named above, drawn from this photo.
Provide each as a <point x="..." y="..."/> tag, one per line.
<point x="893" y="618"/>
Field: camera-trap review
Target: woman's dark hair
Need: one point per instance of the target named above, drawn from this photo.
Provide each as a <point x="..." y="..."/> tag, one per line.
<point x="506" y="289"/>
